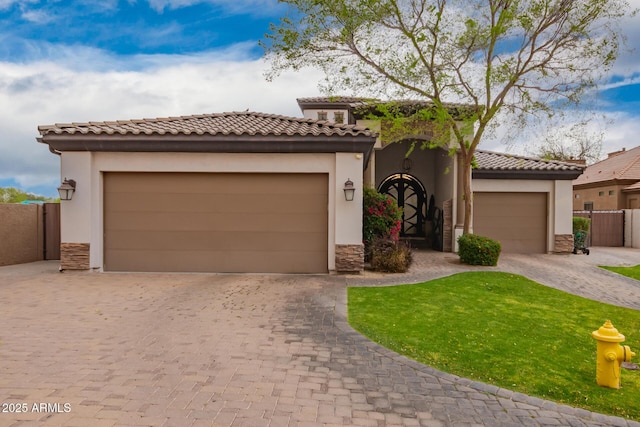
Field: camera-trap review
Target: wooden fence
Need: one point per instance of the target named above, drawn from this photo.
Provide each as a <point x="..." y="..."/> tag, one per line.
<point x="607" y="227"/>
<point x="51" y="219"/>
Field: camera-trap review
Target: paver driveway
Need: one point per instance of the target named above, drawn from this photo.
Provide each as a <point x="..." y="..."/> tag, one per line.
<point x="255" y="350"/>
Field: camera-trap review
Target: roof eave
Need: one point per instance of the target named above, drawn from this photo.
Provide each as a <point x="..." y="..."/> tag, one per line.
<point x="213" y="143"/>
<point x="325" y="105"/>
<point x="604" y="183"/>
<point x="525" y="174"/>
<point x="73" y="142"/>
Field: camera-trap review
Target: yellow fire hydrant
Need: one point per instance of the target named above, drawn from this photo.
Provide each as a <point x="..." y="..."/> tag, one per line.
<point x="610" y="355"/>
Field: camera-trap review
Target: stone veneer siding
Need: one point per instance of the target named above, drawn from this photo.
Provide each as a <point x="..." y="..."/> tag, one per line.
<point x="349" y="258"/>
<point x="74" y="256"/>
<point x="447" y="226"/>
<point x="563" y="243"/>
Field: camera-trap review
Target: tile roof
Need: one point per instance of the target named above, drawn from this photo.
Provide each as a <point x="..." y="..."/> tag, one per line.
<point x="234" y="123"/>
<point x="490" y="161"/>
<point x="353" y="100"/>
<point x="633" y="187"/>
<point x="361" y="107"/>
<point x="622" y="166"/>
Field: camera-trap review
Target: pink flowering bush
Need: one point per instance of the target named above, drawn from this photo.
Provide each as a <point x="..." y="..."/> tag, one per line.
<point x="381" y="217"/>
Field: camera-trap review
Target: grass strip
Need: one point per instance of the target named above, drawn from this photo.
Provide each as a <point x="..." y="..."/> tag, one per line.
<point x="502" y="329"/>
<point x="633" y="272"/>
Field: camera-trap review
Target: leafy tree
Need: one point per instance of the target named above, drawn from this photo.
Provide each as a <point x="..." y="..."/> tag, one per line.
<point x="581" y="140"/>
<point x="570" y="146"/>
<point x="494" y="56"/>
<point x="14" y="195"/>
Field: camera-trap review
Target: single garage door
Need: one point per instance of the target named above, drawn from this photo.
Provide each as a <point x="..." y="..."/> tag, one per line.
<point x="208" y="222"/>
<point x="517" y="220"/>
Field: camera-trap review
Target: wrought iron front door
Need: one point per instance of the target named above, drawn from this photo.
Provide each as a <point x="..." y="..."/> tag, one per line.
<point x="411" y="197"/>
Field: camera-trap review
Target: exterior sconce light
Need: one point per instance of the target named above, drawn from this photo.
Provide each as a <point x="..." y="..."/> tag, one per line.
<point x="349" y="190"/>
<point x="67" y="189"/>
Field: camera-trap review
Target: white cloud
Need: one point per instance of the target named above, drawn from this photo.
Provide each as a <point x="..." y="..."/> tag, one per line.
<point x="623" y="134"/>
<point x="6" y="4"/>
<point x="235" y="7"/>
<point x="628" y="61"/>
<point x="37" y="16"/>
<point x="630" y="80"/>
<point x="87" y="58"/>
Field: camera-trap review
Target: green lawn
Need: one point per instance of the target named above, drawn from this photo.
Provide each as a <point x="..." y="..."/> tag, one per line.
<point x="633" y="272"/>
<point x="502" y="329"/>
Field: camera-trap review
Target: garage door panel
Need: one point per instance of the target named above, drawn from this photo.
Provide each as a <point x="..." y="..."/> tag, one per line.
<point x="227" y="203"/>
<point x="216" y="222"/>
<point x="213" y="241"/>
<point x="517" y="220"/>
<point x="192" y="183"/>
<point x="221" y="261"/>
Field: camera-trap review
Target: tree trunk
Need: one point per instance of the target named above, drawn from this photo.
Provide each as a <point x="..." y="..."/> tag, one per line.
<point x="467" y="190"/>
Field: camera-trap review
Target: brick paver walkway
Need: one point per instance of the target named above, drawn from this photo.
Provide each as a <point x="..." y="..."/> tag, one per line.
<point x="89" y="349"/>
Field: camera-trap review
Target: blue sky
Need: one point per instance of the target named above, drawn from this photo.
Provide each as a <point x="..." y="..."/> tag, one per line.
<point x="131" y="27"/>
<point x="74" y="61"/>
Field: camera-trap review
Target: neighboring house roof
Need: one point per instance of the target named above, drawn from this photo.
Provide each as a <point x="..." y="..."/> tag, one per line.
<point x="223" y="132"/>
<point x="623" y="167"/>
<point x="491" y="165"/>
<point x="632" y="188"/>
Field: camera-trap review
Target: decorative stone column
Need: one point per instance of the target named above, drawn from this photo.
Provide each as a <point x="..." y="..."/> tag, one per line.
<point x="563" y="243"/>
<point x="447" y="226"/>
<point x="349" y="258"/>
<point x="74" y="256"/>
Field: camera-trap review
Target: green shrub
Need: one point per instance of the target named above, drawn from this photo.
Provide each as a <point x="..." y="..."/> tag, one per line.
<point x="390" y="256"/>
<point x="381" y="218"/>
<point x="580" y="223"/>
<point x="478" y="250"/>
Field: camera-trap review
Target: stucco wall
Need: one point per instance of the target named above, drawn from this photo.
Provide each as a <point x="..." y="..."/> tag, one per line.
<point x="348" y="229"/>
<point x="600" y="198"/>
<point x="445" y="172"/>
<point x="370" y="171"/>
<point x="21" y="238"/>
<point x="632" y="200"/>
<point x="563" y="221"/>
<point x="82" y="217"/>
<point x="313" y="114"/>
<point x="632" y="228"/>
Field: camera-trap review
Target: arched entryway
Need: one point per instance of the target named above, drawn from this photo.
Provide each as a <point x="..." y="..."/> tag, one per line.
<point x="412" y="198"/>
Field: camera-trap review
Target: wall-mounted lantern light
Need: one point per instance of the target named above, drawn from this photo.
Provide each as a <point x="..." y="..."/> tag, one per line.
<point x="67" y="189"/>
<point x="349" y="190"/>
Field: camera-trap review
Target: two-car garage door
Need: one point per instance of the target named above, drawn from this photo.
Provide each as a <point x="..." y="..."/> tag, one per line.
<point x="216" y="222"/>
<point x="517" y="220"/>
